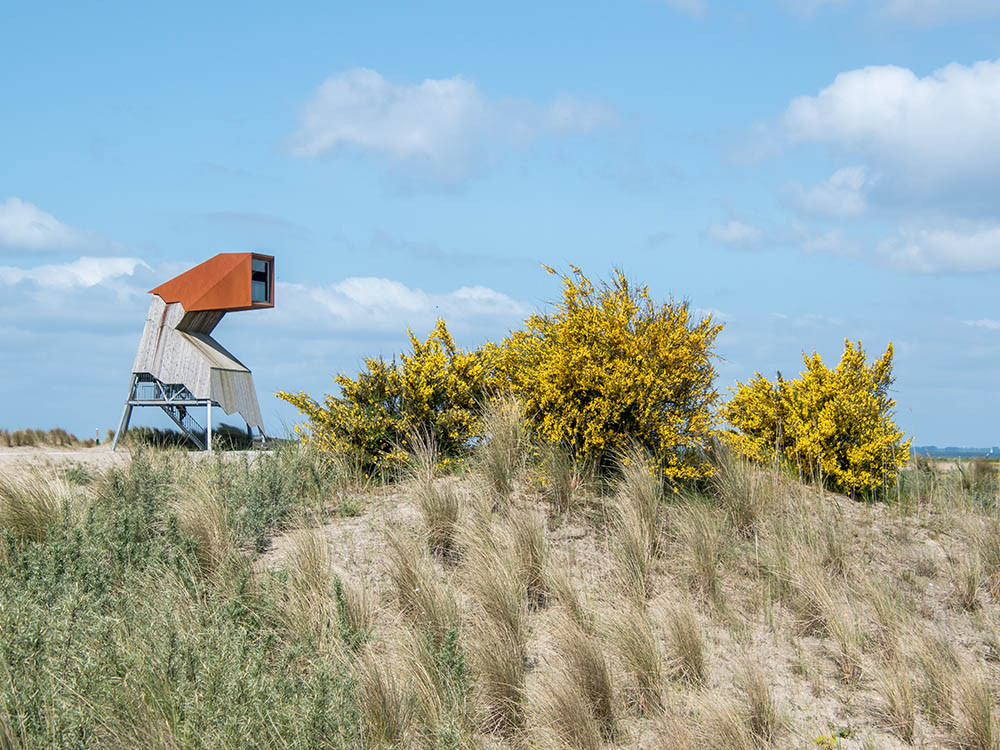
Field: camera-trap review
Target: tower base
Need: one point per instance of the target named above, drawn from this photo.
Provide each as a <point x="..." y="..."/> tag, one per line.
<point x="176" y="401"/>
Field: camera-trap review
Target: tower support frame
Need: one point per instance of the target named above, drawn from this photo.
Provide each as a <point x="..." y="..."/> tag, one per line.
<point x="176" y="401"/>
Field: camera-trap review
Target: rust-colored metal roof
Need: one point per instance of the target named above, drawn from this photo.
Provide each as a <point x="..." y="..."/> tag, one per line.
<point x="220" y="283"/>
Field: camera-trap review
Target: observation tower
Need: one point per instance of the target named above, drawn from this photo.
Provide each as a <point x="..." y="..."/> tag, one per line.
<point x="179" y="366"/>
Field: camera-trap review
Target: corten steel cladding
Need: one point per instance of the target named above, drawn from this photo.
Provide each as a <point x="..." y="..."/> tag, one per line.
<point x="222" y="283"/>
<point x="177" y="353"/>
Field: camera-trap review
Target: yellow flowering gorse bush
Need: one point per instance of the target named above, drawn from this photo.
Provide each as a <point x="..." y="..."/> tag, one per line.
<point x="436" y="387"/>
<point x="610" y="366"/>
<point x="835" y="424"/>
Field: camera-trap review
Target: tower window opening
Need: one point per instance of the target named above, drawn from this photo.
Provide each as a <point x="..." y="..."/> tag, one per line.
<point x="261" y="281"/>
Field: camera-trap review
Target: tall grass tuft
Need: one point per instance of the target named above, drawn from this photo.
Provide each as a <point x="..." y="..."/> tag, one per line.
<point x="568" y="594"/>
<point x="631" y="635"/>
<point x="493" y="578"/>
<point x="761" y="711"/>
<point x="700" y="534"/>
<point x="497" y="661"/>
<point x="638" y="521"/>
<point x="439" y="502"/>
<point x="686" y="644"/>
<point x="633" y="550"/>
<point x="429" y="603"/>
<point x="742" y="490"/>
<point x="531" y="551"/>
<point x="422" y="456"/>
<point x="974" y="720"/>
<point x="890" y="616"/>
<point x="311" y="608"/>
<point x="203" y="514"/>
<point x="812" y="597"/>
<point x="386" y="704"/>
<point x="355" y="614"/>
<point x="437" y="678"/>
<point x="723" y="725"/>
<point x="585" y="663"/>
<point x="562" y="484"/>
<point x="936" y="659"/>
<point x="29" y="505"/>
<point x="441" y="507"/>
<point x="641" y="489"/>
<point x="895" y="685"/>
<point x="967" y="577"/>
<point x="989" y="551"/>
<point x="564" y="714"/>
<point x="843" y="628"/>
<point x="500" y="456"/>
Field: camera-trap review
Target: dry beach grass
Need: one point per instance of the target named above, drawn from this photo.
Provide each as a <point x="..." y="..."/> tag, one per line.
<point x="280" y="601"/>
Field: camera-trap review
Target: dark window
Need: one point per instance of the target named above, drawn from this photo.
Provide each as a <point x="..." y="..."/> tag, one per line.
<point x="261" y="281"/>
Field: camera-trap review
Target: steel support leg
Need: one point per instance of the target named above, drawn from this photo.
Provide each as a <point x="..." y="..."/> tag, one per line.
<point x="126" y="415"/>
<point x="208" y="426"/>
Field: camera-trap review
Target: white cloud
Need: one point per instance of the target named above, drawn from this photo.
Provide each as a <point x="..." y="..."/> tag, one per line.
<point x="83" y="272"/>
<point x="795" y="234"/>
<point x="446" y="126"/>
<point x="927" y="134"/>
<point x="842" y="195"/>
<point x="115" y="289"/>
<point x="988" y="323"/>
<point x="831" y="241"/>
<point x="709" y="312"/>
<point x="959" y="249"/>
<point x="931" y="158"/>
<point x="735" y="232"/>
<point x="24" y="226"/>
<point x="384" y="305"/>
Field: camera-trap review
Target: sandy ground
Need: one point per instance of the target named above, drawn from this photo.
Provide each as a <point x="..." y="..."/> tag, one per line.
<point x="98" y="458"/>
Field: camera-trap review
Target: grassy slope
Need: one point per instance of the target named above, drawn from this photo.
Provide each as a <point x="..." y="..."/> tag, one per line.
<point x="145" y="607"/>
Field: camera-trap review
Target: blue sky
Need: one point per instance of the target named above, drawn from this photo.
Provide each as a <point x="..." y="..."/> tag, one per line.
<point x="806" y="170"/>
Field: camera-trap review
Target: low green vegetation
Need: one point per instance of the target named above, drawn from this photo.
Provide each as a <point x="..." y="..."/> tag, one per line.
<point x="118" y="633"/>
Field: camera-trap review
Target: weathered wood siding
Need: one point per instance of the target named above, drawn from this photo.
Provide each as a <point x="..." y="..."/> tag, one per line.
<point x="176" y="348"/>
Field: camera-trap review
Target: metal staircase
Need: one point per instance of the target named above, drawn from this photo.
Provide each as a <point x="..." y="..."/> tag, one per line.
<point x="175" y="400"/>
<point x="181" y="417"/>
